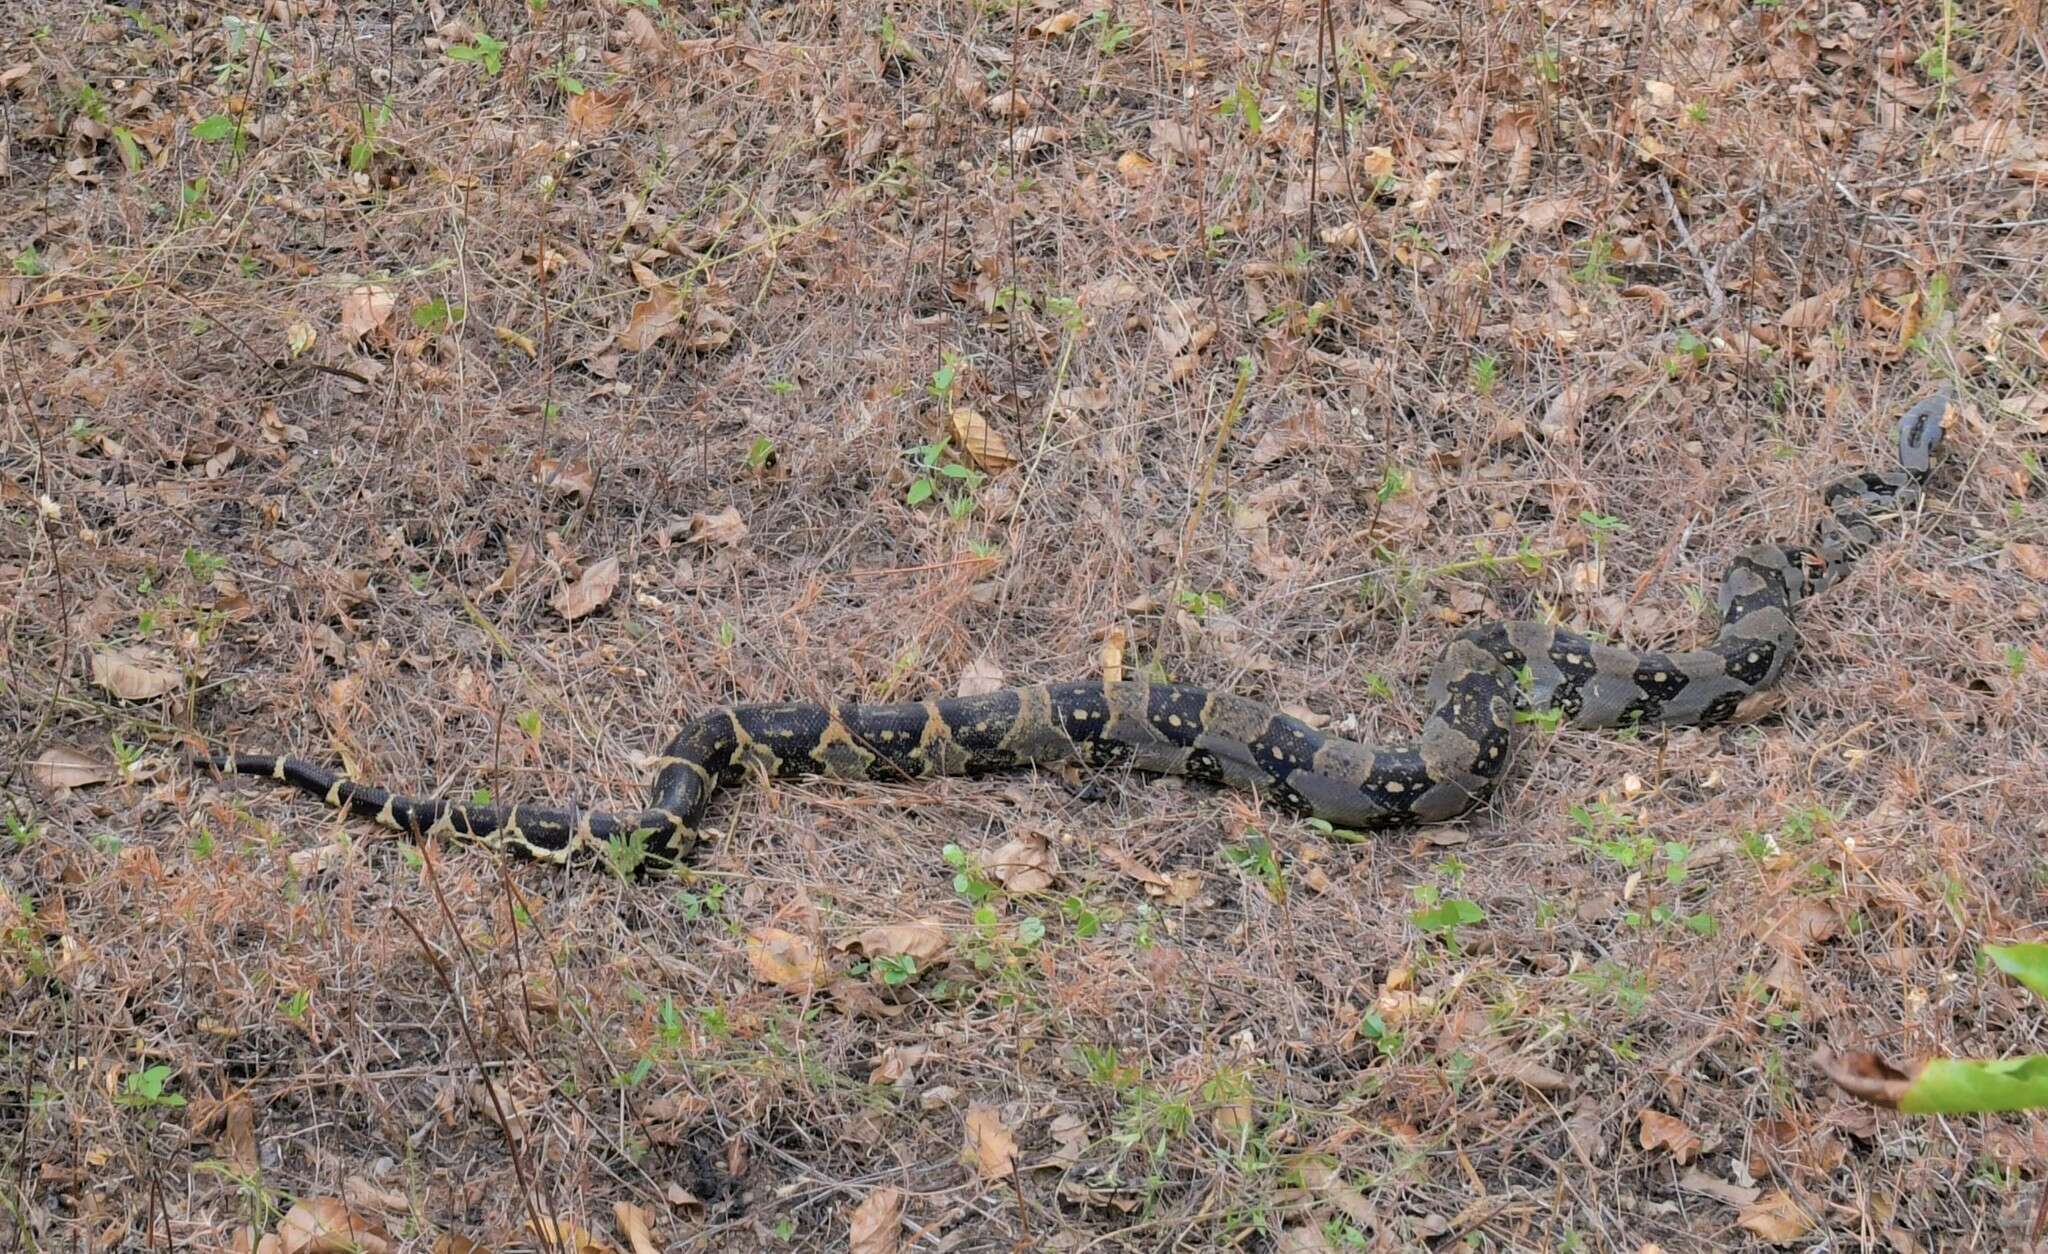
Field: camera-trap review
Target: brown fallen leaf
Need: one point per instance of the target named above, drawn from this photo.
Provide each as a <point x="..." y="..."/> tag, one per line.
<point x="1059" y="23"/>
<point x="653" y="318"/>
<point x="1864" y="1075"/>
<point x="592" y="112"/>
<point x="1696" y="1181"/>
<point x="1028" y="138"/>
<point x="574" y="479"/>
<point x="1174" y="890"/>
<point x="1025" y="864"/>
<point x="981" y="443"/>
<point x="325" y="1225"/>
<point x="784" y="959"/>
<point x="135" y="673"/>
<point x="590" y="591"/>
<point x="1815" y="312"/>
<point x="726" y="527"/>
<point x="564" y="1237"/>
<point x="365" y="308"/>
<point x="979" y="678"/>
<point x="1661" y="1131"/>
<point x="1071" y="1136"/>
<point x="638" y="1225"/>
<point x="2030" y="560"/>
<point x="1135" y="168"/>
<point x="455" y="1243"/>
<point x="1776" y="1218"/>
<point x="876" y="1226"/>
<point x="62" y="768"/>
<point x="923" y="940"/>
<point x="990" y="1147"/>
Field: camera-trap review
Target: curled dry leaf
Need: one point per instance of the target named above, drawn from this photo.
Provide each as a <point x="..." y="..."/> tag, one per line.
<point x="135" y="674"/>
<point x="923" y="940"/>
<point x="1661" y="1131"/>
<point x="990" y="1147"/>
<point x="981" y="443"/>
<point x="365" y="308"/>
<point x="61" y="768"/>
<point x="784" y="959"/>
<point x="726" y="527"/>
<point x="564" y="478"/>
<point x="1059" y="23"/>
<point x="1026" y="864"/>
<point x="590" y="590"/>
<point x="653" y="318"/>
<point x="1028" y="138"/>
<point x="1814" y="312"/>
<point x="1070" y="1136"/>
<point x="2030" y="560"/>
<point x="979" y="678"/>
<point x="638" y="1225"/>
<point x="1864" y="1075"/>
<point x="325" y="1225"/>
<point x="1175" y="890"/>
<point x="1776" y="1218"/>
<point x="877" y="1224"/>
<point x="566" y="1238"/>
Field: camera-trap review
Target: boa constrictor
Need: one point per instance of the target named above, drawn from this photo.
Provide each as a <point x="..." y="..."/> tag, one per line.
<point x="1473" y="692"/>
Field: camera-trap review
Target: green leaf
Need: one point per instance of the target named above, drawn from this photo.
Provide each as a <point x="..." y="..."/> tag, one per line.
<point x="1954" y="1086"/>
<point x="1457" y="912"/>
<point x="2027" y="963"/>
<point x="214" y="129"/>
<point x="131" y="153"/>
<point x="920" y="491"/>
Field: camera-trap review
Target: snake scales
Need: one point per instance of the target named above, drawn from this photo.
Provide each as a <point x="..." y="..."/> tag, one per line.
<point x="1473" y="691"/>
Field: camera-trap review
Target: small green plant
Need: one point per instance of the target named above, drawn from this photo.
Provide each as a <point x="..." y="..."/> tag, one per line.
<point x="895" y="970"/>
<point x="437" y="316"/>
<point x="28" y="263"/>
<point x="1081" y="916"/>
<point x="1199" y="605"/>
<point x="1111" y="36"/>
<point x="1257" y="858"/>
<point x="627" y="852"/>
<point x="1485" y="374"/>
<point x="214" y="128"/>
<point x="482" y="50"/>
<point x="22" y="830"/>
<point x="932" y="471"/>
<point x="968" y="878"/>
<point x="297" y="1005"/>
<point x="760" y="453"/>
<point x="528" y="721"/>
<point x="147" y="1089"/>
<point x="1597" y="270"/>
<point x="1243" y="104"/>
<point x="1443" y="917"/>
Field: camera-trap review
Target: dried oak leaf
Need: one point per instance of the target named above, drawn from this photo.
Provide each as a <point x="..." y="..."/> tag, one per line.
<point x="876" y="1226"/>
<point x="923" y="940"/>
<point x="366" y="307"/>
<point x="1025" y="864"/>
<point x="784" y="959"/>
<point x="325" y="1225"/>
<point x="981" y="443"/>
<point x="990" y="1146"/>
<point x="590" y="590"/>
<point x="62" y="767"/>
<point x="135" y="674"/>
<point x="1661" y="1131"/>
<point x="1776" y="1218"/>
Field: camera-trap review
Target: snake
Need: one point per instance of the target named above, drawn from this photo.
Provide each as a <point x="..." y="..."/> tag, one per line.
<point x="1482" y="678"/>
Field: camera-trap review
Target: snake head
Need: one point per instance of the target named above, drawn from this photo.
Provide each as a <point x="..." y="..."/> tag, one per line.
<point x="1920" y="432"/>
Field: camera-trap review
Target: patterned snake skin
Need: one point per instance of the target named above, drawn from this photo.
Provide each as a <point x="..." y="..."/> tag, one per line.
<point x="1473" y="692"/>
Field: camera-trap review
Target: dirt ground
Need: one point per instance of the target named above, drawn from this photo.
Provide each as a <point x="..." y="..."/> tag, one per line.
<point x="468" y="394"/>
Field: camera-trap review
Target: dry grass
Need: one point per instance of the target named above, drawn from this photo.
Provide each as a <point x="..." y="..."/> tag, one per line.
<point x="1478" y="326"/>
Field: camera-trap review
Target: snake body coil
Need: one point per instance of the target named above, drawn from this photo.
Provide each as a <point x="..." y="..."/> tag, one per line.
<point x="1179" y="729"/>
